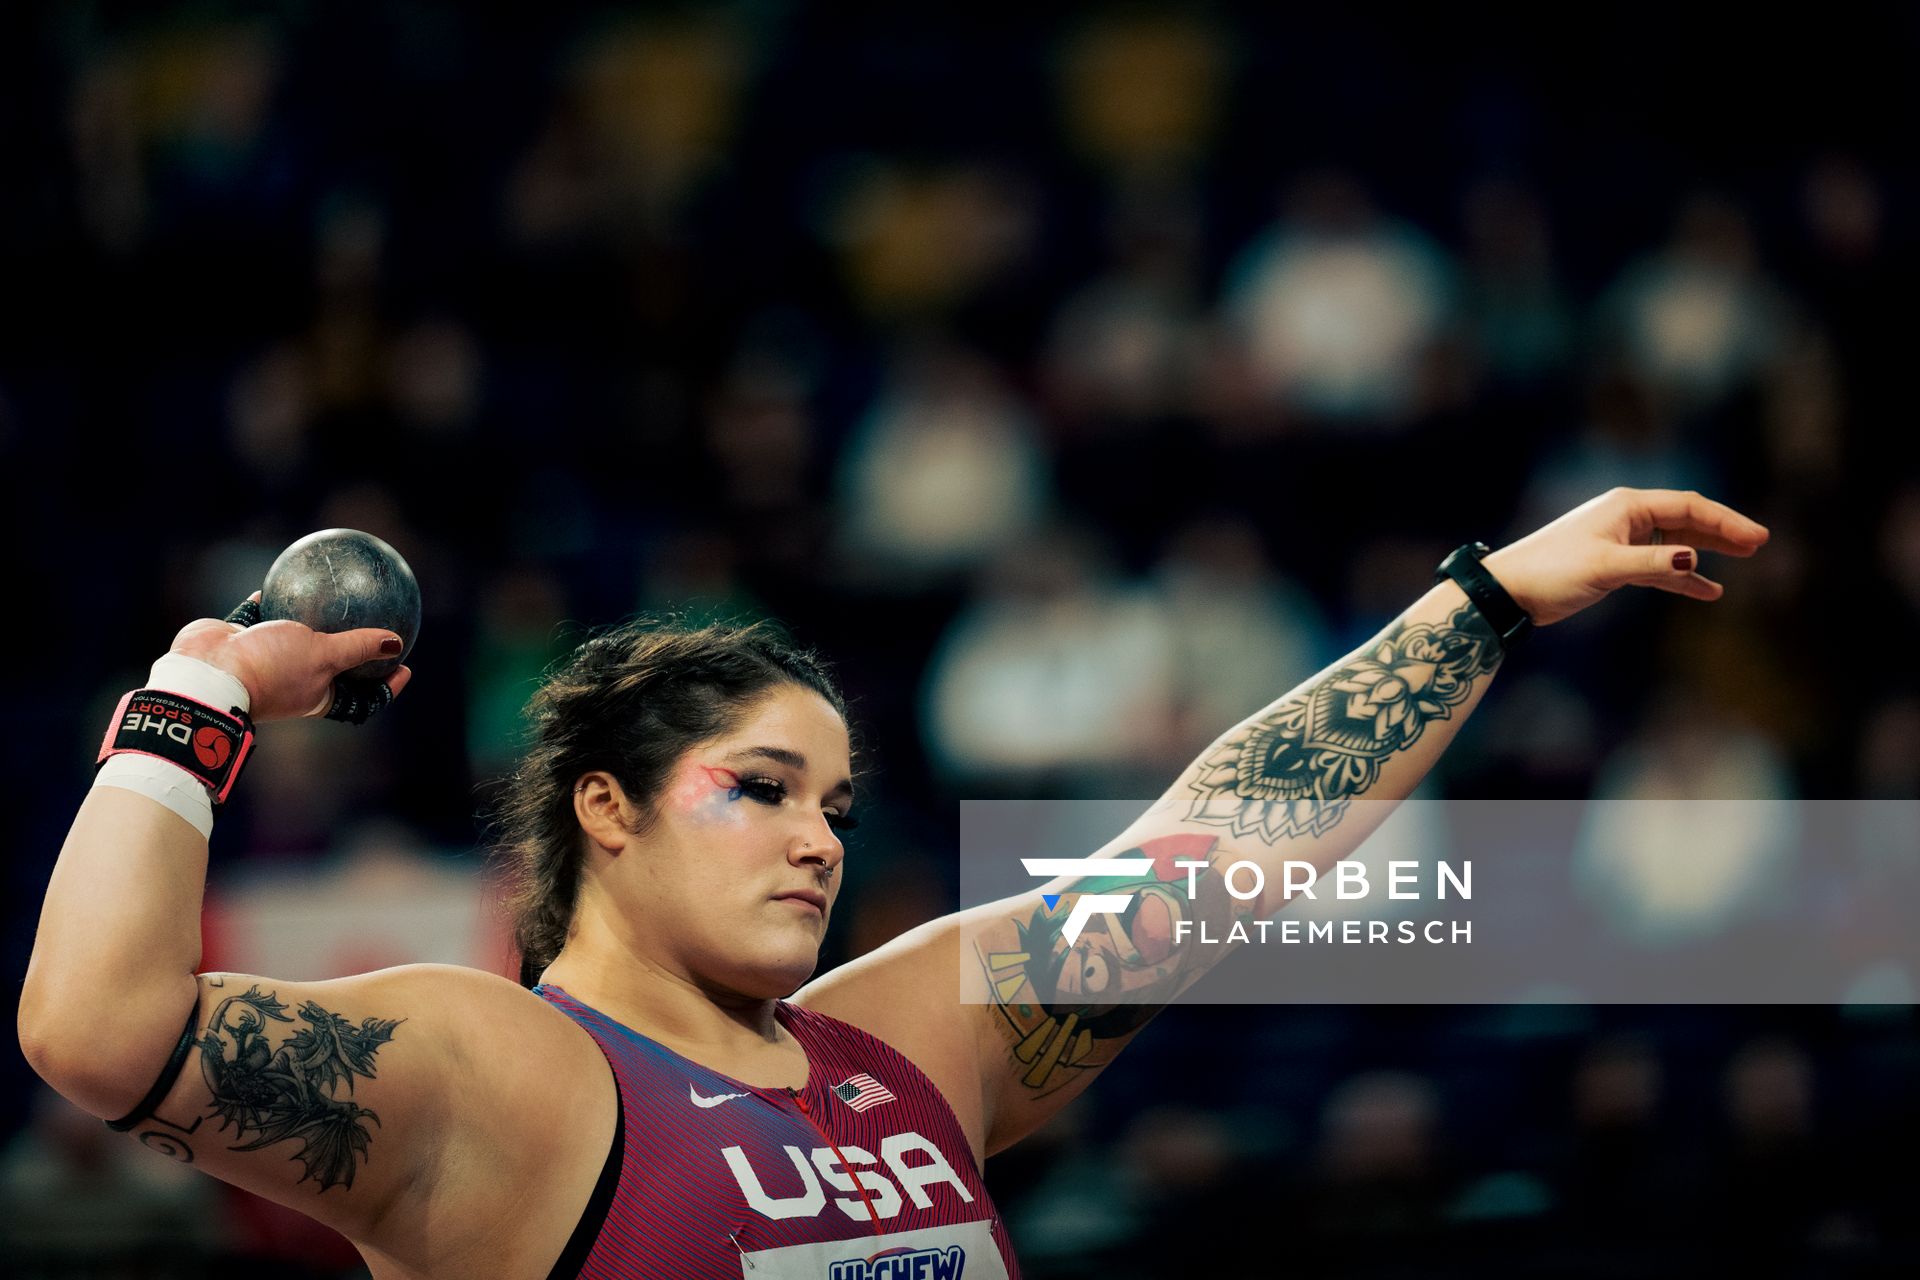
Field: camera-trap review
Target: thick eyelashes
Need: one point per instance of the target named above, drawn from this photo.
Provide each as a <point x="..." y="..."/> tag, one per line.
<point x="771" y="791"/>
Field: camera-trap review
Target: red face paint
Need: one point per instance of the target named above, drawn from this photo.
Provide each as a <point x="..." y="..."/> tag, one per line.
<point x="706" y="794"/>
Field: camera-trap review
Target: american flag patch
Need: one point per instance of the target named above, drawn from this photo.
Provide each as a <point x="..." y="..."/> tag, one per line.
<point x="862" y="1091"/>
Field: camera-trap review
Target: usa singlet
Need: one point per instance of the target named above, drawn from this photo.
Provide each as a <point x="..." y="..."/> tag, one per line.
<point x="862" y="1175"/>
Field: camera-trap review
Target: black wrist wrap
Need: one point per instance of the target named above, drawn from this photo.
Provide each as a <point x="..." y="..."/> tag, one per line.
<point x="211" y="745"/>
<point x="357" y="701"/>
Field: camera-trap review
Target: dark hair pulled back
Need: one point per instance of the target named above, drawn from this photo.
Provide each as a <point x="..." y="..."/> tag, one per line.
<point x="629" y="701"/>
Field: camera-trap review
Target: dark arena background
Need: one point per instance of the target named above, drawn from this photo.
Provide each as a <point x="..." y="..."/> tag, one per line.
<point x="1076" y="383"/>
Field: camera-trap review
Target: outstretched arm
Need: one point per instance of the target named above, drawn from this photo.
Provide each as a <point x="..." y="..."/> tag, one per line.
<point x="1280" y="786"/>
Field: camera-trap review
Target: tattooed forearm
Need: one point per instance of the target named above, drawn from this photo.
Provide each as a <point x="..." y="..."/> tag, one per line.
<point x="1293" y="771"/>
<point x="1067" y="1008"/>
<point x="292" y="1093"/>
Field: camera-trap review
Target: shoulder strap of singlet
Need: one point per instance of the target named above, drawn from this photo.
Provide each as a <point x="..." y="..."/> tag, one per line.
<point x="594" y="1216"/>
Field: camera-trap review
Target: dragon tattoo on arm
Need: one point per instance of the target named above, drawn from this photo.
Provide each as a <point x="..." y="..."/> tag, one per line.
<point x="293" y="1093"/>
<point x="300" y="1091"/>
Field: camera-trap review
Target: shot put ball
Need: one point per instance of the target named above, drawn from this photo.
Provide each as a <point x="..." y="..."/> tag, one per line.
<point x="342" y="579"/>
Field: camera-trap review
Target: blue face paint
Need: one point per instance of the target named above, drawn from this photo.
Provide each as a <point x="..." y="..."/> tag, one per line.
<point x="725" y="779"/>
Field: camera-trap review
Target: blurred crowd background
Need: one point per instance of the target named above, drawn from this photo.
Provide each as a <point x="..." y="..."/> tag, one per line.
<point x="1077" y="383"/>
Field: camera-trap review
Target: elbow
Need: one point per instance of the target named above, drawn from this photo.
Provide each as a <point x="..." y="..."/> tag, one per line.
<point x="34" y="1046"/>
<point x="104" y="1064"/>
<point x="71" y="1074"/>
<point x="34" y="1023"/>
<point x="65" y="1073"/>
<point x="44" y="1033"/>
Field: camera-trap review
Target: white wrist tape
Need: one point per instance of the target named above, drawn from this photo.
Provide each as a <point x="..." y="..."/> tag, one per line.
<point x="154" y="778"/>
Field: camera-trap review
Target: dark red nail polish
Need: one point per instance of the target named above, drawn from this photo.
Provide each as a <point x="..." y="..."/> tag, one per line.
<point x="1683" y="561"/>
<point x="390" y="647"/>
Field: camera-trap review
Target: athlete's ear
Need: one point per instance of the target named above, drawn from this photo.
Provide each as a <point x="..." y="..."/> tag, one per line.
<point x="605" y="813"/>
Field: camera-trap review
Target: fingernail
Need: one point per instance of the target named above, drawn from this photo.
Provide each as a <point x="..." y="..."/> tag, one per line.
<point x="391" y="647"/>
<point x="1683" y="561"/>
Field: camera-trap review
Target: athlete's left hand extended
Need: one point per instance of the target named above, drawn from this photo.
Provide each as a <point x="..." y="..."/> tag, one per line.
<point x="1558" y="570"/>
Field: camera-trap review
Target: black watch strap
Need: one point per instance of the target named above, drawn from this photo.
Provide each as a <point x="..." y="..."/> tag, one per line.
<point x="1502" y="612"/>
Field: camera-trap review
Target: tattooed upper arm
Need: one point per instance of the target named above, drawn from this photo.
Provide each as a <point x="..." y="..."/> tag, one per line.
<point x="317" y="1095"/>
<point x="350" y="1099"/>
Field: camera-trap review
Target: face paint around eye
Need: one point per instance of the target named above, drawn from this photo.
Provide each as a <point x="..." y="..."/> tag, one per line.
<point x="709" y="795"/>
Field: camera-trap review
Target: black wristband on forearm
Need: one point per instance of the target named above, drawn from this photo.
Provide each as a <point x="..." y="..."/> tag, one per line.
<point x="1502" y="612"/>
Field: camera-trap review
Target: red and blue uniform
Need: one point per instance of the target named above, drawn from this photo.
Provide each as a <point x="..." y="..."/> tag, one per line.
<point x="862" y="1175"/>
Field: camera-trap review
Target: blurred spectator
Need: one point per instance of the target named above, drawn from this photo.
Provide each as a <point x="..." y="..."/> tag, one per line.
<point x="434" y="374"/>
<point x="109" y="156"/>
<point x="1900" y="550"/>
<point x="1778" y="1187"/>
<point x="1889" y="766"/>
<point x="1543" y="732"/>
<point x="1803" y="418"/>
<point x="761" y="434"/>
<point x="1057" y="669"/>
<point x="943" y="473"/>
<point x="518" y="637"/>
<point x="697" y="572"/>
<point x="1074" y="1211"/>
<point x="1337" y="305"/>
<point x="1381" y="1187"/>
<point x="270" y="409"/>
<point x="1699" y="319"/>
<point x="207" y="100"/>
<point x="1626" y="1179"/>
<point x="1124" y="371"/>
<point x="1126" y="348"/>
<point x="383" y="900"/>
<point x="1188" y="1179"/>
<point x="1142" y="93"/>
<point x="1701" y="834"/>
<point x="1857" y="269"/>
<point x="1624" y="439"/>
<point x="916" y="242"/>
<point x="1241" y="636"/>
<point x="1522" y="319"/>
<point x="647" y="114"/>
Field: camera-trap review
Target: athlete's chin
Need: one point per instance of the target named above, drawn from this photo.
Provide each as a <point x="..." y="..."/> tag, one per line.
<point x="774" y="975"/>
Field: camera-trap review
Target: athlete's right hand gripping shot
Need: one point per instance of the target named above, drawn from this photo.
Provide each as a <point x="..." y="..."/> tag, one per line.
<point x="669" y="1091"/>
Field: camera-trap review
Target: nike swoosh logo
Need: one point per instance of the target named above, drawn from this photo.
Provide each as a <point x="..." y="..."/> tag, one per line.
<point x="699" y="1101"/>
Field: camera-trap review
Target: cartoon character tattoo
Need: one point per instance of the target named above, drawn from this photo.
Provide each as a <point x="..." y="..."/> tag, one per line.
<point x="1060" y="1002"/>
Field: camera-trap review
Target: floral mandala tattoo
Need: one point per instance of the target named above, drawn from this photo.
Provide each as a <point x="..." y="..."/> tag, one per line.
<point x="1293" y="772"/>
<point x="272" y="1095"/>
